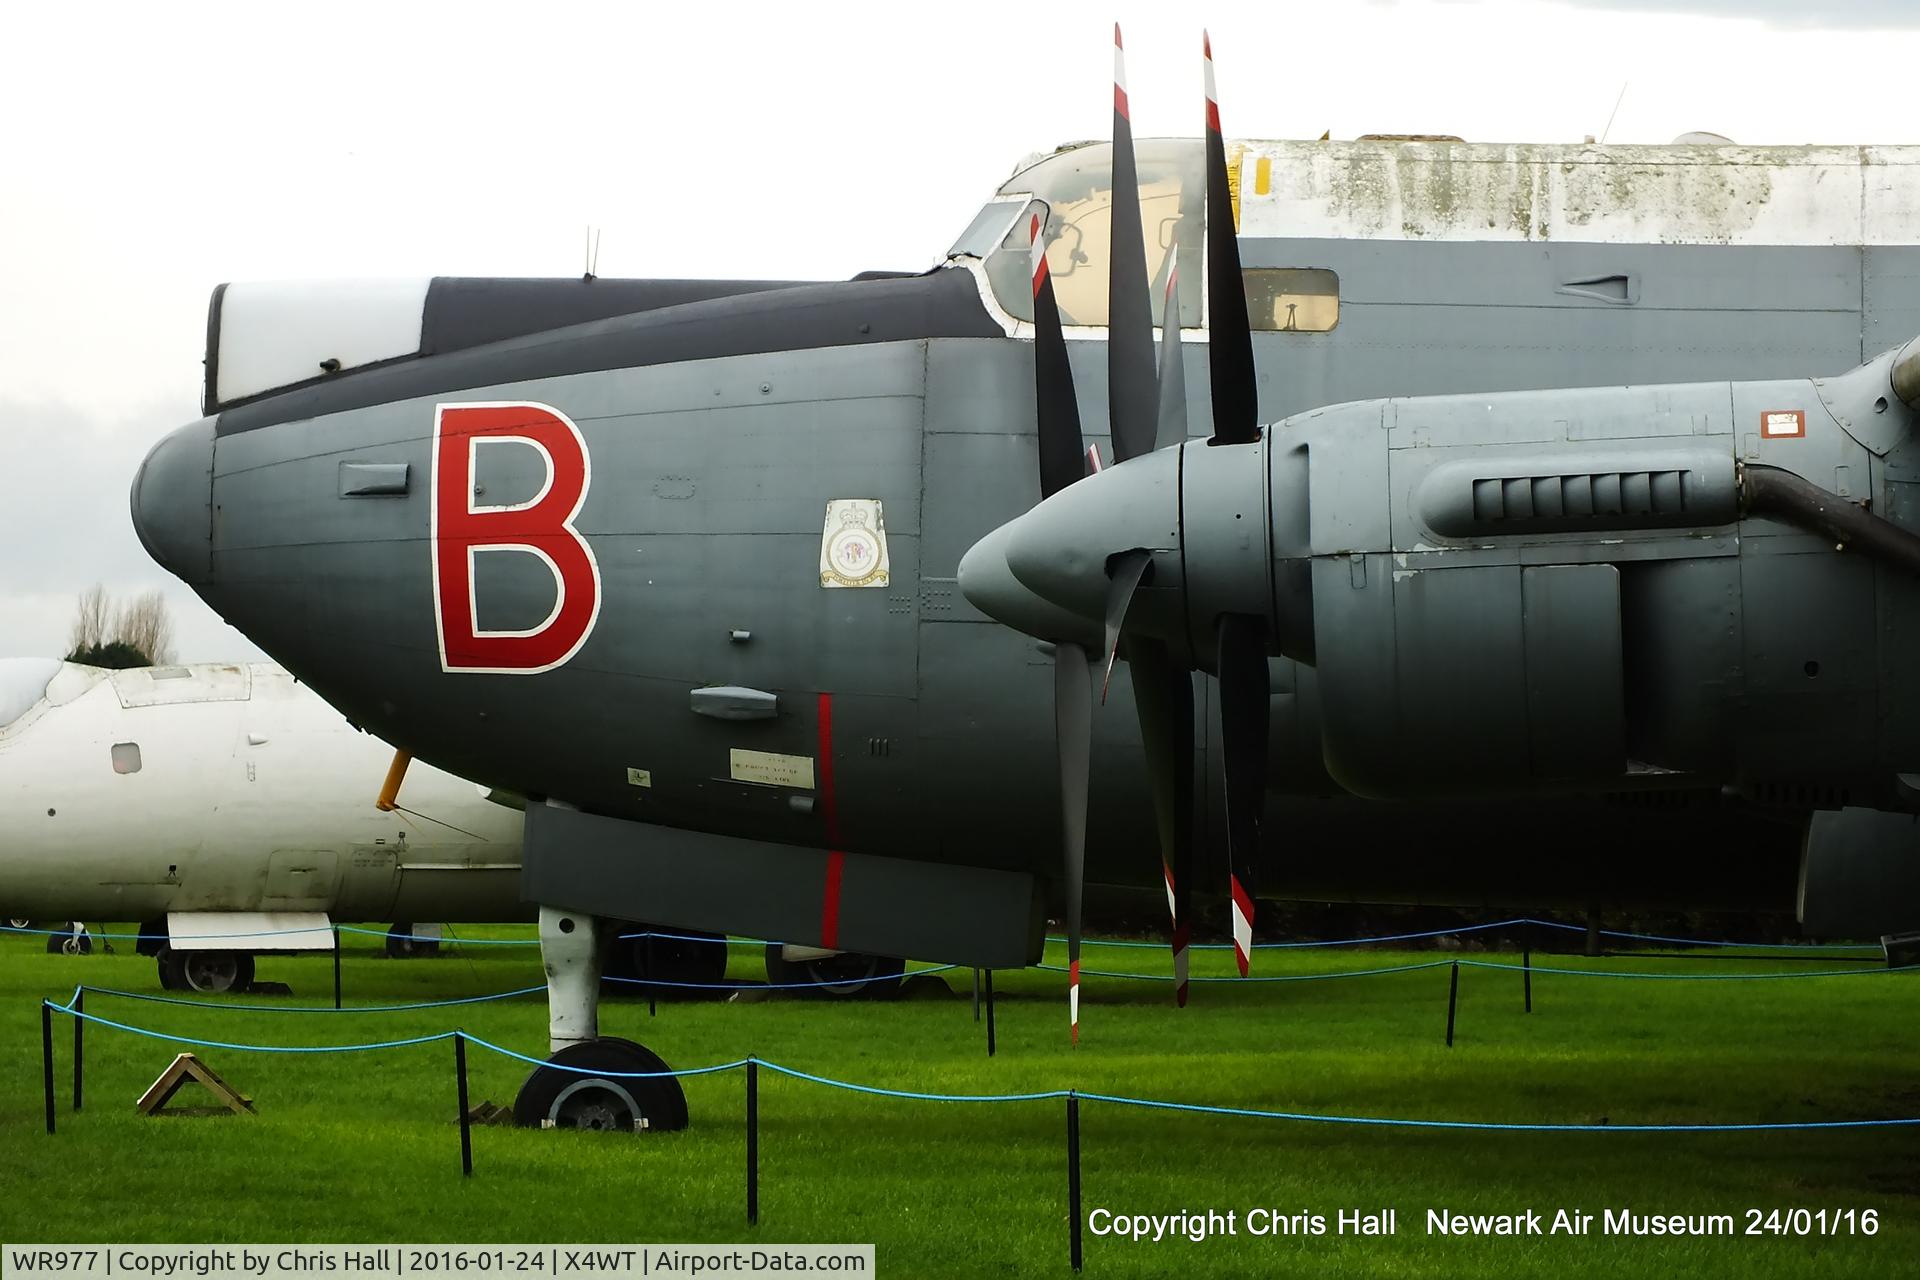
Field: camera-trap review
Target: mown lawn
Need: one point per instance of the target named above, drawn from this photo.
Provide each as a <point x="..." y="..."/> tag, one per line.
<point x="364" y="1147"/>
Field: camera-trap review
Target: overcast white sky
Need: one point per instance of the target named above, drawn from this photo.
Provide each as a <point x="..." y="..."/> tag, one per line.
<point x="150" y="152"/>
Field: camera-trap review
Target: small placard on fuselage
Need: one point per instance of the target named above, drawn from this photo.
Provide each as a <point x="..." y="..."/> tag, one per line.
<point x="1783" y="424"/>
<point x="771" y="769"/>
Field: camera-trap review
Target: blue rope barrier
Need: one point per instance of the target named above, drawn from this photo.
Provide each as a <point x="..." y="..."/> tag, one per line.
<point x="422" y="937"/>
<point x="1694" y="976"/>
<point x="1526" y="1127"/>
<point x="247" y="1048"/>
<point x="768" y="986"/>
<point x="1291" y="977"/>
<point x="1285" y="946"/>
<point x="1091" y="942"/>
<point x="616" y="1075"/>
<point x="911" y="1095"/>
<point x="1039" y="1096"/>
<point x="229" y="1007"/>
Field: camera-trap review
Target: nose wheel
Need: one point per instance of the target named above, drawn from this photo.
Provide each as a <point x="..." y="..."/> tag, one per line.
<point x="596" y="1085"/>
<point x="591" y="1081"/>
<point x="74" y="942"/>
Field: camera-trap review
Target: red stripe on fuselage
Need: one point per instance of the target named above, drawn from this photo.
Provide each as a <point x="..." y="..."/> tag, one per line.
<point x="830" y="806"/>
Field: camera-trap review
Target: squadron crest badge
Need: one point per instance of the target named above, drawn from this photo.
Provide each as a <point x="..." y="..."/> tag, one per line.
<point x="853" y="544"/>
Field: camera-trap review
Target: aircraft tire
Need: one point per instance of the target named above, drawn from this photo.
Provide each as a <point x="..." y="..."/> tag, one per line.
<point x="563" y="1094"/>
<point x="402" y="945"/>
<point x="847" y="976"/>
<point x="70" y="944"/>
<point x="691" y="965"/>
<point x="208" y="972"/>
<point x="19" y="922"/>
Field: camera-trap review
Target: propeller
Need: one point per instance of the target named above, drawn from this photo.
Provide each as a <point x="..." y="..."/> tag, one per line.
<point x="1061" y="463"/>
<point x="1241" y="639"/>
<point x="1051" y="554"/>
<point x="1148" y="410"/>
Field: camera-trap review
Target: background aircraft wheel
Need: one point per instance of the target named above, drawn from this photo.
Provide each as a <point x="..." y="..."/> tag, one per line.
<point x="696" y="961"/>
<point x="18" y="922"/>
<point x="403" y="945"/>
<point x="206" y="971"/>
<point x="848" y="974"/>
<point x="557" y="1098"/>
<point x="77" y="943"/>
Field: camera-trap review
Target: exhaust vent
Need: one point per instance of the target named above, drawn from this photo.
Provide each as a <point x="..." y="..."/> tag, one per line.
<point x="1506" y="496"/>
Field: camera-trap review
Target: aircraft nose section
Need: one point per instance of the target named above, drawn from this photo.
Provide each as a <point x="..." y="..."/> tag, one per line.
<point x="172" y="502"/>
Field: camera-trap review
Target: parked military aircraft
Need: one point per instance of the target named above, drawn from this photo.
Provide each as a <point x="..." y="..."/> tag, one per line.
<point x="231" y="811"/>
<point x="682" y="562"/>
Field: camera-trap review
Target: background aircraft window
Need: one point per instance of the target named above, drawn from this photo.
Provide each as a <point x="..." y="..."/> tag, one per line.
<point x="23" y="681"/>
<point x="1293" y="299"/>
<point x="1077" y="188"/>
<point x="126" y="757"/>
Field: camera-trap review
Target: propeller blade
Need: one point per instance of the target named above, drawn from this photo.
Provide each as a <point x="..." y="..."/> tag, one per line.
<point x="1124" y="575"/>
<point x="1164" y="694"/>
<point x="1073" y="736"/>
<point x="1230" y="346"/>
<point x="1131" y="393"/>
<point x="1244" y="698"/>
<point x="1172" y="427"/>
<point x="1056" y="408"/>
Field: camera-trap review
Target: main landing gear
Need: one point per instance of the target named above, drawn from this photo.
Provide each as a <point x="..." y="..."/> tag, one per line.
<point x="591" y="1081"/>
<point x="208" y="972"/>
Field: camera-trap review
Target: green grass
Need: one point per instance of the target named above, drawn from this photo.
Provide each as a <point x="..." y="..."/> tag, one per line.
<point x="364" y="1147"/>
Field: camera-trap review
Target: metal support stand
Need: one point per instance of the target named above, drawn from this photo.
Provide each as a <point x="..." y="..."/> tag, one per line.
<point x="46" y="1057"/>
<point x="1073" y="1179"/>
<point x="652" y="993"/>
<point x="753" y="1142"/>
<point x="336" y="966"/>
<point x="466" y="1120"/>
<point x="1453" y="999"/>
<point x="1526" y="976"/>
<point x="990" y="1044"/>
<point x="79" y="1046"/>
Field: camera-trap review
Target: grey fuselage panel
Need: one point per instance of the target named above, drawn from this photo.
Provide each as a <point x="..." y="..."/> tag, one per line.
<point x="719" y="433"/>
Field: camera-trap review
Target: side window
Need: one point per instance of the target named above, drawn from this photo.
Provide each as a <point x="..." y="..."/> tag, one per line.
<point x="126" y="757"/>
<point x="1293" y="299"/>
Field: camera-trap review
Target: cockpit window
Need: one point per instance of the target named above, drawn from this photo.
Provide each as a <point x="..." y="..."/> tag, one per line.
<point x="1076" y="189"/>
<point x="23" y="682"/>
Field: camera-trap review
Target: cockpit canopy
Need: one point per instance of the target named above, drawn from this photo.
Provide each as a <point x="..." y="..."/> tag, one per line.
<point x="1076" y="187"/>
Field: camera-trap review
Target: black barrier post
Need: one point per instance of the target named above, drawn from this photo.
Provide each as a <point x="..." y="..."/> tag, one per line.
<point x="976" y="994"/>
<point x="79" y="1025"/>
<point x="336" y="965"/>
<point x="990" y="1013"/>
<point x="1453" y="998"/>
<point x="1073" y="1177"/>
<point x="651" y="997"/>
<point x="46" y="1056"/>
<point x="753" y="1142"/>
<point x="1526" y="976"/>
<point x="466" y="1120"/>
